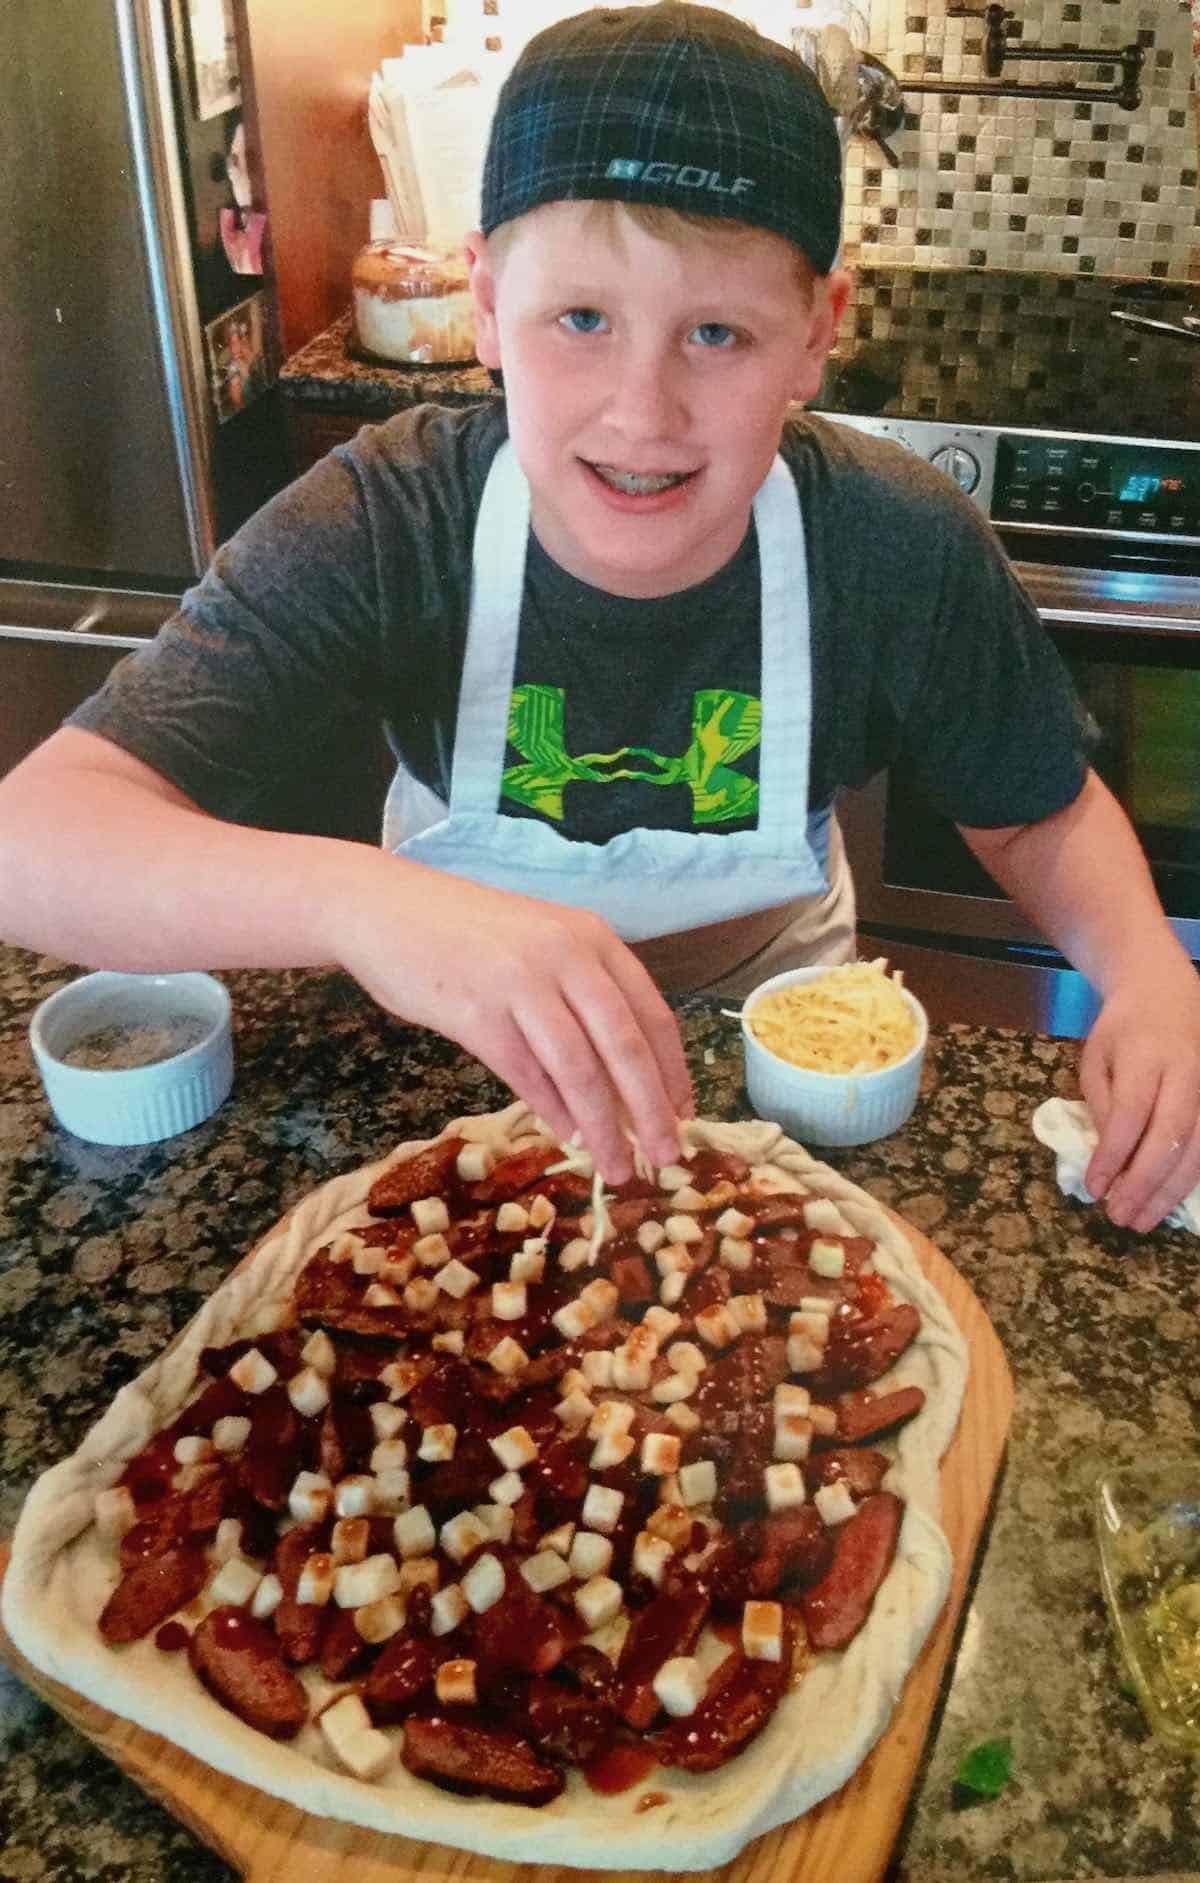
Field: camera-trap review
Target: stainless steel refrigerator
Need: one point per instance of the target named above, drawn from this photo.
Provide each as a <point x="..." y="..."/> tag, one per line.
<point x="117" y="478"/>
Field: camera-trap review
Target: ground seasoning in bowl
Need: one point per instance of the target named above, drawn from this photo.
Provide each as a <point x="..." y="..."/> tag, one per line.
<point x="116" y="1048"/>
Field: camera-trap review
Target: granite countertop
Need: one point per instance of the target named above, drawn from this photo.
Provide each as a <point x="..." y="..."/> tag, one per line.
<point x="105" y="1253"/>
<point x="329" y="372"/>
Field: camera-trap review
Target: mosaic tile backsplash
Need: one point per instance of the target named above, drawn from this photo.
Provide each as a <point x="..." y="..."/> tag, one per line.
<point x="1052" y="185"/>
<point x="1002" y="347"/>
<point x="1019" y="183"/>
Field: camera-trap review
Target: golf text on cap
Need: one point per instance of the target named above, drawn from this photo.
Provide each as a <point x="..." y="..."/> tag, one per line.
<point x="687" y="176"/>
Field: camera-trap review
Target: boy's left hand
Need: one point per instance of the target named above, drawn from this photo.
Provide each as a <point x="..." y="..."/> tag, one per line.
<point x="1081" y="876"/>
<point x="1140" y="1076"/>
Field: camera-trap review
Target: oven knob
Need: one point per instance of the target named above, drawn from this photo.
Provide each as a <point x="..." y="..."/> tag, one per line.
<point x="958" y="463"/>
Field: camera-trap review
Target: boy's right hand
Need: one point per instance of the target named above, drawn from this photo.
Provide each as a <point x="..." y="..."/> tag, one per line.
<point x="547" y="996"/>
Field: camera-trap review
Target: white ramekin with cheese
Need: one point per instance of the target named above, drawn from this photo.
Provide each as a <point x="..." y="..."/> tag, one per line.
<point x="846" y="1099"/>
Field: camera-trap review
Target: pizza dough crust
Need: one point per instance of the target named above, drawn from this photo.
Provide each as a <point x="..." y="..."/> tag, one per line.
<point x="61" y="1574"/>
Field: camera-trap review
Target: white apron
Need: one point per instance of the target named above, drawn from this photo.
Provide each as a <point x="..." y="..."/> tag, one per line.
<point x="644" y="883"/>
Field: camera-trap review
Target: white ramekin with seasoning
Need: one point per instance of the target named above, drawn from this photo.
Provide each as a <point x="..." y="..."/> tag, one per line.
<point x="830" y="1107"/>
<point x="133" y="1058"/>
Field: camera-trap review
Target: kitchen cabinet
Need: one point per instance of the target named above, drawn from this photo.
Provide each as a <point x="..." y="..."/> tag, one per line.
<point x="308" y="144"/>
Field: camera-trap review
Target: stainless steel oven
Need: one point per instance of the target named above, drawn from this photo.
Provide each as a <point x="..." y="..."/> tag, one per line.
<point x="989" y="378"/>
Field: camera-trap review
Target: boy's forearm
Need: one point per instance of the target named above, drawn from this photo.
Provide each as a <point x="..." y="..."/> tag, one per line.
<point x="1082" y="877"/>
<point x="103" y="872"/>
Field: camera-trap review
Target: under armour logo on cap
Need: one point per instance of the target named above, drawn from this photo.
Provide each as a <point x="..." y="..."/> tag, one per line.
<point x="685" y="176"/>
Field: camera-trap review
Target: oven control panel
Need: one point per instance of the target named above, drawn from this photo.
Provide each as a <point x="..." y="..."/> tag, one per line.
<point x="1060" y="482"/>
<point x="1131" y="488"/>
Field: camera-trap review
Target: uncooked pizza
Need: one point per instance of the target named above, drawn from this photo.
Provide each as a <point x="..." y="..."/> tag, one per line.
<point x="488" y="1505"/>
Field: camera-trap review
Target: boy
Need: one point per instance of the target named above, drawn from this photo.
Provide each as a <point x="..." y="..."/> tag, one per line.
<point x="628" y="632"/>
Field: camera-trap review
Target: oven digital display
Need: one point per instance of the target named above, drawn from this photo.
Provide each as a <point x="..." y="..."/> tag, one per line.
<point x="1139" y="487"/>
<point x="1083" y="483"/>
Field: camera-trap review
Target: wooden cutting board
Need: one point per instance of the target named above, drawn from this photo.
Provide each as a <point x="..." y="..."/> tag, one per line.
<point x="849" y="1836"/>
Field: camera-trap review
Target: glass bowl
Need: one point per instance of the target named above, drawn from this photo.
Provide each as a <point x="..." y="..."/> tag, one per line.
<point x="1148" y="1533"/>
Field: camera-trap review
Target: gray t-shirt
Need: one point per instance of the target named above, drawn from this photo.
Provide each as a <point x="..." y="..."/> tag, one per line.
<point x="345" y="601"/>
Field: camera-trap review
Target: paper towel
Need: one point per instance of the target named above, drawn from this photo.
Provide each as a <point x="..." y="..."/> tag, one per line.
<point x="1065" y="1125"/>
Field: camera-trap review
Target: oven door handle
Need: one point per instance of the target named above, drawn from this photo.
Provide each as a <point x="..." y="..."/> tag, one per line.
<point x="81" y="630"/>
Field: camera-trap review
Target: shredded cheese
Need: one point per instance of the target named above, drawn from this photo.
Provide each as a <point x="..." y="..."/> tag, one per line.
<point x="641" y="1163"/>
<point x="853" y="1019"/>
<point x="602" y="1227"/>
<point x="579" y="1161"/>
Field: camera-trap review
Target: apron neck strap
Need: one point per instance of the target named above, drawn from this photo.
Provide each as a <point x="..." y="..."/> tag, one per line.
<point x="493" y="629"/>
<point x="786" y="655"/>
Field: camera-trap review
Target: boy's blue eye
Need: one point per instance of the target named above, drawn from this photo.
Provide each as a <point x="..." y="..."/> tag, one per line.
<point x="583" y="320"/>
<point x="714" y="333"/>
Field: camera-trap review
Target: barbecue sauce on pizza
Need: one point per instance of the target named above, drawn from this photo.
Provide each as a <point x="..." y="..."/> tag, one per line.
<point x="546" y="1479"/>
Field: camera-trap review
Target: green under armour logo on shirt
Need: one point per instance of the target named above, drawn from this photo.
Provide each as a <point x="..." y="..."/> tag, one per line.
<point x="725" y="726"/>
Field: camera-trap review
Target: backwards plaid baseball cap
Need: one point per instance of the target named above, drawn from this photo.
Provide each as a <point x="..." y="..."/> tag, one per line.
<point x="673" y="104"/>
